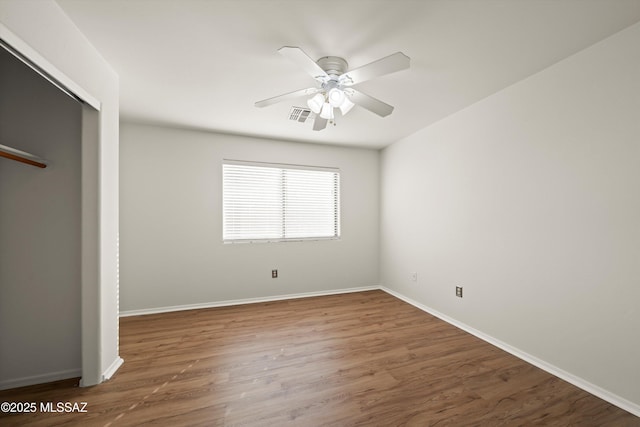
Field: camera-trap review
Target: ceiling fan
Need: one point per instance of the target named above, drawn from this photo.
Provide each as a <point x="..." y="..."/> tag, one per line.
<point x="335" y="84"/>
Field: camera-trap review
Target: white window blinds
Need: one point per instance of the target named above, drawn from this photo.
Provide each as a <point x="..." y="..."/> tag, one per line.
<point x="279" y="202"/>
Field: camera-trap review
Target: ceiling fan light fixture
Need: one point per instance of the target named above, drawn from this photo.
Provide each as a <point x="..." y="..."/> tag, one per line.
<point x="336" y="97"/>
<point x="315" y="103"/>
<point x="333" y="84"/>
<point x="327" y="111"/>
<point x="346" y="106"/>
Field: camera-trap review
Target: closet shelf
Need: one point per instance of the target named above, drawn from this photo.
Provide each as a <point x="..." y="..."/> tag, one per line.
<point x="21" y="156"/>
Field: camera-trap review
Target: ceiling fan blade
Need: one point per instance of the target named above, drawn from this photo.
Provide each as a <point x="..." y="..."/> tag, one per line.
<point x="370" y="103"/>
<point x="389" y="64"/>
<point x="290" y="95"/>
<point x="297" y="55"/>
<point x="319" y="123"/>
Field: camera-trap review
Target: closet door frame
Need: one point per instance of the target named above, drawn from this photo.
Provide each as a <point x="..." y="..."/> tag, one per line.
<point x="94" y="323"/>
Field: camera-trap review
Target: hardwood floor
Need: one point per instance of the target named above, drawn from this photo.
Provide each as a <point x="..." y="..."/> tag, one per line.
<point x="362" y="359"/>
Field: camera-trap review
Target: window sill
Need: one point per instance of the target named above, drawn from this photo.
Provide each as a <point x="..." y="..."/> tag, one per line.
<point x="306" y="239"/>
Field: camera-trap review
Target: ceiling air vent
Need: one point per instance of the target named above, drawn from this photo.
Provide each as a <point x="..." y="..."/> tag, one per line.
<point x="299" y="114"/>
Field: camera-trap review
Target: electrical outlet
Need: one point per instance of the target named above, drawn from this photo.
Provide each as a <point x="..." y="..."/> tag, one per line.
<point x="414" y="277"/>
<point x="274" y="274"/>
<point x="459" y="291"/>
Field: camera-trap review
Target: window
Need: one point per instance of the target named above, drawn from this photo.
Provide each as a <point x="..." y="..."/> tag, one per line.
<point x="263" y="201"/>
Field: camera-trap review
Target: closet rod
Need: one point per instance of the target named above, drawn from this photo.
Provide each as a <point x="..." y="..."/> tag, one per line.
<point x="21" y="156"/>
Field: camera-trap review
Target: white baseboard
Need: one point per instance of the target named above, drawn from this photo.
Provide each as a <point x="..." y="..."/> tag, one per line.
<point x="226" y="303"/>
<point x="40" y="379"/>
<point x="113" y="368"/>
<point x="57" y="376"/>
<point x="603" y="394"/>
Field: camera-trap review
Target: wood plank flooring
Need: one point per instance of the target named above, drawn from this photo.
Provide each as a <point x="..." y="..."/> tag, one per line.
<point x="361" y="359"/>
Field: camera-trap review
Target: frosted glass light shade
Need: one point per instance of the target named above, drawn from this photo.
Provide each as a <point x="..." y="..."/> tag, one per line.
<point x="327" y="111"/>
<point x="336" y="97"/>
<point x="315" y="103"/>
<point x="346" y="106"/>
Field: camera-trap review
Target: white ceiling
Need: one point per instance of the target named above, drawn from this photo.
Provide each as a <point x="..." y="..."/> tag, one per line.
<point x="202" y="64"/>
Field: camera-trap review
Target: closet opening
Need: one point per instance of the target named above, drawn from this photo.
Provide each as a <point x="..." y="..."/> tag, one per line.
<point x="49" y="295"/>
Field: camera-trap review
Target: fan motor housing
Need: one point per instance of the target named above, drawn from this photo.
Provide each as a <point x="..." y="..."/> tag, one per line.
<point x="333" y="65"/>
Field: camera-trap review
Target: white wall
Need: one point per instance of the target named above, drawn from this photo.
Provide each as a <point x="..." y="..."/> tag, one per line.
<point x="41" y="31"/>
<point x="171" y="222"/>
<point x="529" y="200"/>
<point x="39" y="229"/>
